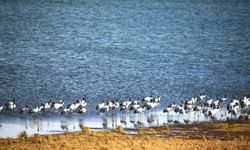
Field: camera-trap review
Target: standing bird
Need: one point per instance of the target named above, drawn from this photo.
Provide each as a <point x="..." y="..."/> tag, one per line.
<point x="47" y="105"/>
<point x="192" y="101"/>
<point x="99" y="106"/>
<point x="245" y="102"/>
<point x="134" y="106"/>
<point x="212" y="113"/>
<point x="57" y="105"/>
<point x="1" y="107"/>
<point x="104" y="109"/>
<point x="11" y="105"/>
<point x="81" y="102"/>
<point x="202" y="96"/>
<point x="125" y="105"/>
<point x="179" y="109"/>
<point x="24" y="109"/>
<point x="148" y="99"/>
<point x="36" y="109"/>
<point x="167" y="110"/>
<point x="208" y="103"/>
<point x="223" y="99"/>
<point x="82" y="110"/>
<point x="139" y="110"/>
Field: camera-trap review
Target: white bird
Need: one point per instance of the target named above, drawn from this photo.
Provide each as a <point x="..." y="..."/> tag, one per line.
<point x="224" y="98"/>
<point x="151" y="105"/>
<point x="115" y="105"/>
<point x="135" y="102"/>
<point x="245" y="102"/>
<point x="139" y="110"/>
<point x="157" y="99"/>
<point x="104" y="109"/>
<point x="36" y="109"/>
<point x="1" y="107"/>
<point x="82" y="110"/>
<point x="24" y="109"/>
<point x="215" y="103"/>
<point x="47" y="105"/>
<point x="197" y="108"/>
<point x="99" y="106"/>
<point x="235" y="102"/>
<point x="234" y="110"/>
<point x="179" y="109"/>
<point x="58" y="105"/>
<point x="135" y="106"/>
<point x="82" y="102"/>
<point x="173" y="105"/>
<point x="208" y="103"/>
<point x="167" y="110"/>
<point x="205" y="112"/>
<point x="65" y="111"/>
<point x="188" y="107"/>
<point x="192" y="100"/>
<point x="11" y="105"/>
<point x="125" y="105"/>
<point x="72" y="107"/>
<point x="213" y="112"/>
<point x="202" y="96"/>
<point x="110" y="104"/>
<point x="148" y="98"/>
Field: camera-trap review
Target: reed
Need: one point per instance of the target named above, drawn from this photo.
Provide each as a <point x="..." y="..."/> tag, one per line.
<point x="120" y="130"/>
<point x="84" y="129"/>
<point x="23" y="135"/>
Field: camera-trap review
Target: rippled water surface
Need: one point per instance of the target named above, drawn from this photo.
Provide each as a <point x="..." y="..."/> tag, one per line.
<point x="105" y="49"/>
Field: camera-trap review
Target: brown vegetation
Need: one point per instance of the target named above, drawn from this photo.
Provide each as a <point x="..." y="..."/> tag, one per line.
<point x="84" y="129"/>
<point x="23" y="135"/>
<point x="120" y="130"/>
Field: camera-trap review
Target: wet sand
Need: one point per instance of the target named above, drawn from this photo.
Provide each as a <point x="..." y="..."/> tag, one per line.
<point x="221" y="135"/>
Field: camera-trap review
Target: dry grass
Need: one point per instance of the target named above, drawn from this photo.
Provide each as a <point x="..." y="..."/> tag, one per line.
<point x="120" y="130"/>
<point x="140" y="132"/>
<point x="84" y="129"/>
<point x="23" y="135"/>
<point x="37" y="139"/>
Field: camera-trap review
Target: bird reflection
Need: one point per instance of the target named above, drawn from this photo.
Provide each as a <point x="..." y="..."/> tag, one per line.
<point x="64" y="125"/>
<point x="152" y="119"/>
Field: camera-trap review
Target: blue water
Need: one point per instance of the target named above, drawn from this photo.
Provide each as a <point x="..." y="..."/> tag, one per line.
<point x="105" y="49"/>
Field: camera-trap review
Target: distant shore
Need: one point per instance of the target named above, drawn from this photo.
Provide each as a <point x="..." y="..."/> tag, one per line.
<point x="222" y="135"/>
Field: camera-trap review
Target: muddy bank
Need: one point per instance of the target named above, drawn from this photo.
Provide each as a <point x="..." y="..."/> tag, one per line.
<point x="224" y="135"/>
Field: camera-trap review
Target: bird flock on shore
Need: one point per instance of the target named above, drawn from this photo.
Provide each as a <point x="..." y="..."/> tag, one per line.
<point x="237" y="107"/>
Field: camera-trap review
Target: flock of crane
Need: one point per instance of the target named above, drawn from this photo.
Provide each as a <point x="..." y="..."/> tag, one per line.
<point x="238" y="107"/>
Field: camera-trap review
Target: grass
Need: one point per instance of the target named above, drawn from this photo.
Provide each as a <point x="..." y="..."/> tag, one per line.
<point x="140" y="133"/>
<point x="120" y="130"/>
<point x="225" y="126"/>
<point x="37" y="139"/>
<point x="23" y="135"/>
<point x="84" y="129"/>
<point x="50" y="138"/>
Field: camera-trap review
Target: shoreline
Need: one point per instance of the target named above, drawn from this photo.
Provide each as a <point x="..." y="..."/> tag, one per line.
<point x="60" y="124"/>
<point x="217" y="135"/>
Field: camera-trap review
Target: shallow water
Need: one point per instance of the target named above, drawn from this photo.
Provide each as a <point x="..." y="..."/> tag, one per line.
<point x="13" y="126"/>
<point x="122" y="49"/>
